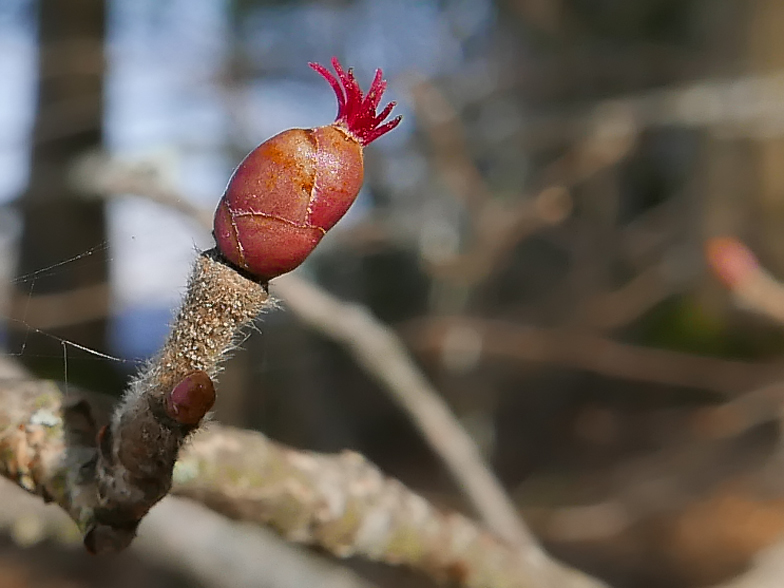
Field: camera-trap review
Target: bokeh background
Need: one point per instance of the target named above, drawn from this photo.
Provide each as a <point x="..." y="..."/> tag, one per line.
<point x="536" y="230"/>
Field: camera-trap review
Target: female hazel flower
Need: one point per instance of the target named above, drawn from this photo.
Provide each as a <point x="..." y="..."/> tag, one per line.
<point x="290" y="190"/>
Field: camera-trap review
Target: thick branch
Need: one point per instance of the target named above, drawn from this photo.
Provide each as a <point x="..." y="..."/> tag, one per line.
<point x="340" y="503"/>
<point x="344" y="504"/>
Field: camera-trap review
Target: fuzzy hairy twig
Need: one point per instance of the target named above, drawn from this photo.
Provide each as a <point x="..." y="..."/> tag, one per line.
<point x="108" y="478"/>
<point x="137" y="453"/>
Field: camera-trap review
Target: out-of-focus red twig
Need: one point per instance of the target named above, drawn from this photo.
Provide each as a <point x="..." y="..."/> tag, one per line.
<point x="751" y="285"/>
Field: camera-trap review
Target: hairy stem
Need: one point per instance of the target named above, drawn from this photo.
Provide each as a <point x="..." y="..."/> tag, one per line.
<point x="137" y="452"/>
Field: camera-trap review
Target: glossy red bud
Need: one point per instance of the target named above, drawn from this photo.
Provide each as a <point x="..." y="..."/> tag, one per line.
<point x="290" y="190"/>
<point x="191" y="399"/>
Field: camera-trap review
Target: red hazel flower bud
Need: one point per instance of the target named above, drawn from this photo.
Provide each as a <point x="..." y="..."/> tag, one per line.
<point x="290" y="190"/>
<point x="191" y="399"/>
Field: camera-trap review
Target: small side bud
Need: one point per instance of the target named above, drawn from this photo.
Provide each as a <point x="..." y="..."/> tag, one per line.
<point x="191" y="399"/>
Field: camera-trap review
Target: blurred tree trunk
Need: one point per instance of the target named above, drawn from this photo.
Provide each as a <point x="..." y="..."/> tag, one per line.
<point x="58" y="224"/>
<point x="725" y="175"/>
<point x="765" y="36"/>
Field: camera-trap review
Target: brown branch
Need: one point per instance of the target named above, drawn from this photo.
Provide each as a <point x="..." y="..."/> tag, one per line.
<point x="596" y="354"/>
<point x="500" y="228"/>
<point x="616" y="308"/>
<point x="374" y="345"/>
<point x="97" y="173"/>
<point x="340" y="503"/>
<point x="180" y="534"/>
<point x="740" y="106"/>
<point x="735" y="417"/>
<point x="446" y="133"/>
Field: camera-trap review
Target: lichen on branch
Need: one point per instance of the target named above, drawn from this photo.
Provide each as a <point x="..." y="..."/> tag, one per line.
<point x="340" y="503"/>
<point x="343" y="504"/>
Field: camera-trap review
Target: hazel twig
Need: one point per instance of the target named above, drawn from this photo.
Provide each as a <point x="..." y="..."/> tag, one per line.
<point x="136" y="453"/>
<point x="280" y="201"/>
<point x="108" y="478"/>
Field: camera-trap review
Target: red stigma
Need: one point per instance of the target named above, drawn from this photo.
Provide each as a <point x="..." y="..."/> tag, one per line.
<point x="357" y="113"/>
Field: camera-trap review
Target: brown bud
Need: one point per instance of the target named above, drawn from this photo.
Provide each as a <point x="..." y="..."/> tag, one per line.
<point x="191" y="399"/>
